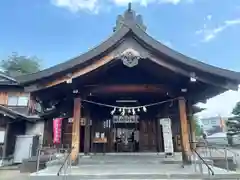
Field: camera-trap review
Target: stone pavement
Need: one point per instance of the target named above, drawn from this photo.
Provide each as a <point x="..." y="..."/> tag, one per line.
<point x="120" y="167"/>
<point x="13" y="175"/>
<point x="130" y="167"/>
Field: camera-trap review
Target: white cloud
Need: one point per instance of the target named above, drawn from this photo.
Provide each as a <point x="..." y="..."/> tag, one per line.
<point x="96" y="5"/>
<point x="211" y="33"/>
<point x="175" y="2"/>
<point x="78" y="5"/>
<point x="209" y="17"/>
<point x="146" y="2"/>
<point x="125" y="2"/>
<point x="232" y="22"/>
<point x="220" y="105"/>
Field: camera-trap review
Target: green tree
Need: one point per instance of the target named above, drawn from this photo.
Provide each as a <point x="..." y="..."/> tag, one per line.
<point x="16" y="65"/>
<point x="198" y="128"/>
<point x="233" y="123"/>
<point x="236" y="109"/>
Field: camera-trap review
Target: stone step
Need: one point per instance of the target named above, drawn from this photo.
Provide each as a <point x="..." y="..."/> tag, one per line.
<point x="129" y="166"/>
<point x="130" y="171"/>
<point x="136" y="176"/>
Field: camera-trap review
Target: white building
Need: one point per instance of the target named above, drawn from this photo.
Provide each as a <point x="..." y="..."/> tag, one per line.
<point x="214" y="125"/>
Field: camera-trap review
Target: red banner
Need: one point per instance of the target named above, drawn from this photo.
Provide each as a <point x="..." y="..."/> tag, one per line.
<point x="57" y="130"/>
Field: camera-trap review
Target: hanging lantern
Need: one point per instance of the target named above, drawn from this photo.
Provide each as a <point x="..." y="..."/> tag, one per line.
<point x="144" y="109"/>
<point x="138" y="109"/>
<point x="129" y="111"/>
<point x="120" y="109"/>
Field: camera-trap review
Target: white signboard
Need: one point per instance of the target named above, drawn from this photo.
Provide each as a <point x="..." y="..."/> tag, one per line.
<point x="2" y="136"/>
<point x="167" y="135"/>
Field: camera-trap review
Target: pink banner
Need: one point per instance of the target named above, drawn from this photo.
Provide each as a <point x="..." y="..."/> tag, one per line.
<point x="57" y="130"/>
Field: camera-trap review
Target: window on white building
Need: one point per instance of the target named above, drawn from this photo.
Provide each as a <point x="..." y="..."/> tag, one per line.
<point x="205" y="122"/>
<point x="214" y="122"/>
<point x="2" y="136"/>
<point x="22" y="101"/>
<point x="14" y="100"/>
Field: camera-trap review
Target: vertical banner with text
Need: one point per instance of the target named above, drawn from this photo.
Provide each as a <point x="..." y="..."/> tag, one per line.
<point x="167" y="135"/>
<point x="57" y="130"/>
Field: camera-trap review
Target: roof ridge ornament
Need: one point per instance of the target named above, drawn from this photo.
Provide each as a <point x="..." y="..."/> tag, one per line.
<point x="129" y="6"/>
<point x="129" y="18"/>
<point x="130" y="57"/>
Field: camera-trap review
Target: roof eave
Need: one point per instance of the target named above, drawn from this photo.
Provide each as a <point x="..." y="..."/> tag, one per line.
<point x="16" y="115"/>
<point x="157" y="46"/>
<point x="78" y="61"/>
<point x="234" y="77"/>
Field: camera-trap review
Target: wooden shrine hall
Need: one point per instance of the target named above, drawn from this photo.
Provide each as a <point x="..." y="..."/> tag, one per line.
<point x="129" y="94"/>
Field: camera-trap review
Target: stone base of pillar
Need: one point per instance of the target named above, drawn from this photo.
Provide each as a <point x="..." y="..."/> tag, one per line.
<point x="186" y="158"/>
<point x="168" y="155"/>
<point x="75" y="162"/>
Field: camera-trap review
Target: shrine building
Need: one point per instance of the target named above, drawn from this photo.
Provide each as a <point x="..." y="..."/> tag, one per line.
<point x="129" y="94"/>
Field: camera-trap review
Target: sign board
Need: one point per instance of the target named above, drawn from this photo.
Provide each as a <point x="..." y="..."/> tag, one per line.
<point x="70" y="120"/>
<point x="83" y="121"/>
<point x="167" y="135"/>
<point x="2" y="137"/>
<point x="126" y="119"/>
<point x="57" y="130"/>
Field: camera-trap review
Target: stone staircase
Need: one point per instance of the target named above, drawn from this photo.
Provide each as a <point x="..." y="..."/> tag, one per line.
<point x="132" y="166"/>
<point x="221" y="158"/>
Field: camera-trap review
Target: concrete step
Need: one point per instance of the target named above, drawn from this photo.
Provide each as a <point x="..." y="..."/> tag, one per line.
<point x="129" y="166"/>
<point x="136" y="177"/>
<point x="133" y="171"/>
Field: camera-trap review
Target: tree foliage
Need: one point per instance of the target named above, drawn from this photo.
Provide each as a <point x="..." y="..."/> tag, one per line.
<point x="16" y="65"/>
<point x="236" y="109"/>
<point x="198" y="128"/>
<point x="233" y="123"/>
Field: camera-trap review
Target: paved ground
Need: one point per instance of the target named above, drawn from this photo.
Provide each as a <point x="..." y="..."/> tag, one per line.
<point x="13" y="175"/>
<point x="130" y="167"/>
<point x="148" y="166"/>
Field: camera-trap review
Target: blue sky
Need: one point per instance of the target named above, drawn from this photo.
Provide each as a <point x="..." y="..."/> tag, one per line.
<point x="57" y="30"/>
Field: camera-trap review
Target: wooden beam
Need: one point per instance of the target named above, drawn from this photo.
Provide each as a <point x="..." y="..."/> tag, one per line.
<point x="81" y="71"/>
<point x="191" y="122"/>
<point x="163" y="63"/>
<point x="184" y="131"/>
<point x="76" y="130"/>
<point x="129" y="88"/>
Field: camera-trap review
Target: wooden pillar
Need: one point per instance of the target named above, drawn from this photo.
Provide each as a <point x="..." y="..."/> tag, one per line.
<point x="158" y="136"/>
<point x="47" y="135"/>
<point x="184" y="131"/>
<point x="191" y="123"/>
<point x="76" y="130"/>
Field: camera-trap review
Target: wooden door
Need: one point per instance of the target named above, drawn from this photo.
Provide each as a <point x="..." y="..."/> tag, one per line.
<point x="147" y="136"/>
